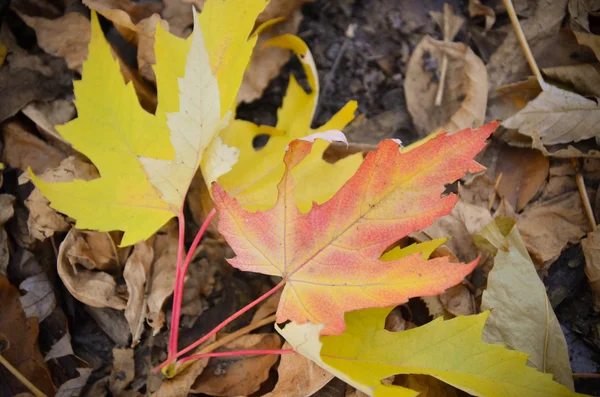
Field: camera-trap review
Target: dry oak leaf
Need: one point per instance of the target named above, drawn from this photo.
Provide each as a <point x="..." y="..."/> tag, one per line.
<point x="451" y="351"/>
<point x="521" y="314"/>
<point x="257" y="190"/>
<point x="329" y="257"/>
<point x="147" y="162"/>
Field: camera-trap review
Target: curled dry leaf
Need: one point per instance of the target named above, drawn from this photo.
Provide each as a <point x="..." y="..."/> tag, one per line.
<point x="478" y="9"/>
<point x="298" y="376"/>
<point x="458" y="301"/>
<point x="579" y="13"/>
<point x="521" y="315"/>
<point x="591" y="250"/>
<point x="74" y="387"/>
<point x="43" y="220"/>
<point x="22" y="149"/>
<point x="66" y="36"/>
<point x="136" y="274"/>
<point x="22" y="335"/>
<point x="589" y="40"/>
<point x="48" y="114"/>
<point x="465" y="92"/>
<point x="584" y="78"/>
<point x="92" y="287"/>
<point x="239" y="376"/>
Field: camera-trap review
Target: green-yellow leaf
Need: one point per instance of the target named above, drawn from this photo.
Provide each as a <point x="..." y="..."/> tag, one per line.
<point x="257" y="190"/>
<point x="147" y="162"/>
<point x="522" y="317"/>
<point x="451" y="351"/>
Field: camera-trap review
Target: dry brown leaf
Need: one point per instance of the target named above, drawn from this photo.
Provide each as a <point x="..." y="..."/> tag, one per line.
<point x="507" y="64"/>
<point x="4" y="252"/>
<point x="39" y="301"/>
<point x="239" y="376"/>
<point x="22" y="149"/>
<point x="548" y="227"/>
<point x="25" y="78"/>
<point x="6" y="207"/>
<point x="465" y="92"/>
<point x="589" y="40"/>
<point x="580" y="11"/>
<point x="123" y="371"/>
<point x="74" y="387"/>
<point x="97" y="250"/>
<point x="267" y="308"/>
<point x="524" y="174"/>
<point x="584" y="78"/>
<point x="43" y="220"/>
<point x="61" y="348"/>
<point x="22" y="335"/>
<point x="591" y="250"/>
<point x="477" y="9"/>
<point x="92" y="287"/>
<point x="298" y="376"/>
<point x="458" y="301"/>
<point x="557" y="116"/>
<point x="66" y="37"/>
<point x="135" y="274"/>
<point x="511" y="98"/>
<point x="352" y="392"/>
<point x="46" y="115"/>
<point x="112" y="322"/>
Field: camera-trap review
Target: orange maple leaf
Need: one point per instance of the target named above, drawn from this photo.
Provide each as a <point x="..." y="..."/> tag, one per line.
<point x="329" y="257"/>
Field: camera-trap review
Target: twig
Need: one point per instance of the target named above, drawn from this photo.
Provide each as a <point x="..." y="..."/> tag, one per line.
<point x="444" y="71"/>
<point x="494" y="192"/>
<point x="524" y="45"/>
<point x="37" y="392"/>
<point x="580" y="375"/>
<point x="584" y="196"/>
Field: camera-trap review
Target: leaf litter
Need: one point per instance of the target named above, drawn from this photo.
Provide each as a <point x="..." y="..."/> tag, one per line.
<point x="534" y="183"/>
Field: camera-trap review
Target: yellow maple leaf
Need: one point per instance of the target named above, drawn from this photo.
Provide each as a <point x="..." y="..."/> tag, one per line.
<point x="257" y="190"/>
<point x="147" y="162"/>
<point x="451" y="351"/>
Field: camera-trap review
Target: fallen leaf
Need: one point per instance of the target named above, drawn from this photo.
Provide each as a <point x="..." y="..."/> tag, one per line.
<point x="426" y="385"/>
<point x="298" y="376"/>
<point x="521" y="315"/>
<point x="39" y="301"/>
<point x="48" y="114"/>
<point x="589" y="40"/>
<point x="61" y="348"/>
<point x="584" y="78"/>
<point x="22" y="149"/>
<point x="524" y="174"/>
<point x="149" y="195"/>
<point x="65" y="37"/>
<point x="74" y="387"/>
<point x="458" y="301"/>
<point x="591" y="250"/>
<point x="257" y="190"/>
<point x="465" y="92"/>
<point x="22" y="334"/>
<point x="135" y="274"/>
<point x="92" y="287"/>
<point x="548" y="227"/>
<point x="352" y="230"/>
<point x="557" y="116"/>
<point x="478" y="9"/>
<point x="112" y="322"/>
<point x="579" y="13"/>
<point x="25" y="78"/>
<point x="267" y="308"/>
<point x="239" y="376"/>
<point x="451" y="351"/>
<point x="123" y="371"/>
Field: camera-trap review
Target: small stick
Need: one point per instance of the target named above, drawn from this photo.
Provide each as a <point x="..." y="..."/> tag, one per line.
<point x="37" y="392"/>
<point x="494" y="192"/>
<point x="524" y="45"/>
<point x="444" y="71"/>
<point x="584" y="196"/>
<point x="580" y="375"/>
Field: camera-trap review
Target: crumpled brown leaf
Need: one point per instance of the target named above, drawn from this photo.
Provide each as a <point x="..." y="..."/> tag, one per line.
<point x="243" y="375"/>
<point x="22" y="334"/>
<point x="123" y="371"/>
<point x="46" y="115"/>
<point x="522" y="317"/>
<point x="298" y="376"/>
<point x="589" y="40"/>
<point x="22" y="149"/>
<point x="43" y="220"/>
<point x="65" y="37"/>
<point x="465" y="93"/>
<point x="135" y="274"/>
<point x="583" y="78"/>
<point x="478" y="9"/>
<point x="580" y="12"/>
<point x="458" y="301"/>
<point x="79" y="253"/>
<point x="39" y="301"/>
<point x="591" y="250"/>
<point x="25" y="78"/>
